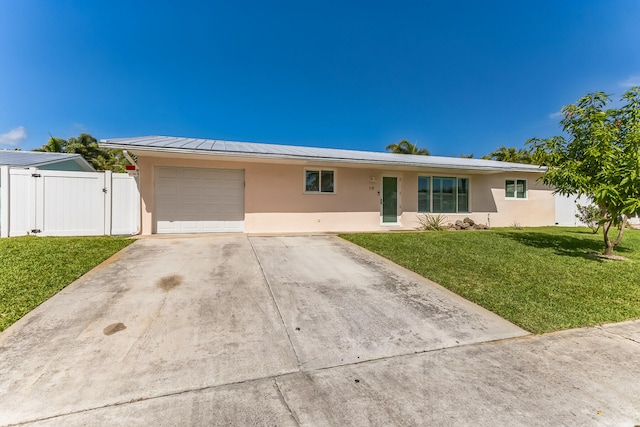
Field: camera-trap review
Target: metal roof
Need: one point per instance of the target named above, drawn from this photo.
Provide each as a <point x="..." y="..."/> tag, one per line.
<point x="36" y="158"/>
<point x="273" y="151"/>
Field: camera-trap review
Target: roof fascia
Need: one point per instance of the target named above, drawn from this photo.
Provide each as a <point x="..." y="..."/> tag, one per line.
<point x="316" y="159"/>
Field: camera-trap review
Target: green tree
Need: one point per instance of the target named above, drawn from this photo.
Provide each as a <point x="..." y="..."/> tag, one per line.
<point x="54" y="145"/>
<point x="599" y="157"/>
<point x="405" y="147"/>
<point x="87" y="146"/>
<point x="510" y="154"/>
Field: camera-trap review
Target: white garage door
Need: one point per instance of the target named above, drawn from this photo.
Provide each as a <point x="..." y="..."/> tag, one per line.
<point x="194" y="200"/>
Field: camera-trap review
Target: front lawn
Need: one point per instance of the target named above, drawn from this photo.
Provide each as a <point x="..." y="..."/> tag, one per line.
<point x="33" y="269"/>
<point x="541" y="279"/>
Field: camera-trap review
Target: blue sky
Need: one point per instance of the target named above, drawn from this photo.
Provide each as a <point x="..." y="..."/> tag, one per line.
<point x="455" y="77"/>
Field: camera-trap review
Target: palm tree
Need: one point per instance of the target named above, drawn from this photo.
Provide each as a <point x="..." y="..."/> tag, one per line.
<point x="509" y="154"/>
<point x="87" y="146"/>
<point x="54" y="145"/>
<point x="405" y="147"/>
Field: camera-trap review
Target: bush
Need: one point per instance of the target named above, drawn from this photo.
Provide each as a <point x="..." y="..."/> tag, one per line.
<point x="430" y="222"/>
<point x="590" y="215"/>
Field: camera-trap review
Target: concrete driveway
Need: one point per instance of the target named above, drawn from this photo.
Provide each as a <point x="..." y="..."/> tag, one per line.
<point x="237" y="330"/>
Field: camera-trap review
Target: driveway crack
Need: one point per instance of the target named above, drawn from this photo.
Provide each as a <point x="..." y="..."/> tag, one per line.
<point x="618" y="335"/>
<point x="275" y="302"/>
<point x="284" y="401"/>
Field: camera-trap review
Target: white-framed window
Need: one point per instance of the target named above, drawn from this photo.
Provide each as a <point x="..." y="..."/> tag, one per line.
<point x="515" y="189"/>
<point x="442" y="194"/>
<point x="424" y="194"/>
<point x="319" y="181"/>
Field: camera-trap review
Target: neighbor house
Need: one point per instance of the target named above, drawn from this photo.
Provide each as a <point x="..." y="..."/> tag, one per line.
<point x="197" y="185"/>
<point x="42" y="160"/>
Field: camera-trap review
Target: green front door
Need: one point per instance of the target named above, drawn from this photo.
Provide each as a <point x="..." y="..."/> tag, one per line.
<point x="389" y="199"/>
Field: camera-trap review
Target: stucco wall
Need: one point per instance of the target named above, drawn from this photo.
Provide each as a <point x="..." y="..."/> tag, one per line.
<point x="275" y="200"/>
<point x="489" y="205"/>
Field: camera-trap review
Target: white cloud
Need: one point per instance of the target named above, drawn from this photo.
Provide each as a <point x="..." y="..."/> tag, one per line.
<point x="14" y="137"/>
<point x="556" y="115"/>
<point x="631" y="81"/>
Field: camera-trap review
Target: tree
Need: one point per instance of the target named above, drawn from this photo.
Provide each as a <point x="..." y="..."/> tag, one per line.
<point x="87" y="146"/>
<point x="405" y="147"/>
<point x="510" y="154"/>
<point x="600" y="157"/>
<point x="54" y="145"/>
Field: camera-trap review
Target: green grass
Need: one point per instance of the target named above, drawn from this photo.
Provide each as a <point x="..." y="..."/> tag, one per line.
<point x="541" y="279"/>
<point x="33" y="269"/>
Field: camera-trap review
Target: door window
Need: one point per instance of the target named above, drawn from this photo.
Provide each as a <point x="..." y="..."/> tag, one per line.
<point x="389" y="199"/>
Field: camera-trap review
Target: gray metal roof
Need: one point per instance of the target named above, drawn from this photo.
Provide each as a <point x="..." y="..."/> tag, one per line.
<point x="273" y="151"/>
<point x="36" y="158"/>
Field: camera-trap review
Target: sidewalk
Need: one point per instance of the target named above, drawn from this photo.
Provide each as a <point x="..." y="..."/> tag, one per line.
<point x="580" y="377"/>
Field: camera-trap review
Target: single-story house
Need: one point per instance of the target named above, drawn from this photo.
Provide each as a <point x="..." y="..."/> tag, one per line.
<point x="46" y="161"/>
<point x="197" y="185"/>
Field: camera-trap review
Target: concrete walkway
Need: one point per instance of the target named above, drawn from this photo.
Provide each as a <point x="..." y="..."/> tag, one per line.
<point x="313" y="331"/>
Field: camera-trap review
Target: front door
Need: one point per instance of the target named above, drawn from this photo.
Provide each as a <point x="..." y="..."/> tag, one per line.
<point x="389" y="200"/>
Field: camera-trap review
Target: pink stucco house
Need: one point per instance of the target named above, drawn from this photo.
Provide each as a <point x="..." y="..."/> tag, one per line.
<point x="198" y="186"/>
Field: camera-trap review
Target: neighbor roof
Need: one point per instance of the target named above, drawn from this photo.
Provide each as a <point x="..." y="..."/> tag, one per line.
<point x="258" y="150"/>
<point x="35" y="159"/>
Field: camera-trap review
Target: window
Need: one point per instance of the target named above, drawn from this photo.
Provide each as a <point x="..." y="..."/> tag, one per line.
<point x="319" y="181"/>
<point x="463" y="194"/>
<point x="515" y="188"/>
<point x="443" y="194"/>
<point x="424" y="194"/>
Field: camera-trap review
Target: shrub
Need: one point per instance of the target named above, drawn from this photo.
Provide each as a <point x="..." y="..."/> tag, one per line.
<point x="590" y="215"/>
<point x="430" y="222"/>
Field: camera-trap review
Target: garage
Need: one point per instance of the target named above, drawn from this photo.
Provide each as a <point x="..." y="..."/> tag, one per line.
<point x="198" y="200"/>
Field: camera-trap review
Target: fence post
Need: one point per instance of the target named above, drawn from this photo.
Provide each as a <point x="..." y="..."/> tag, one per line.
<point x="4" y="201"/>
<point x="108" y="190"/>
<point x="36" y="190"/>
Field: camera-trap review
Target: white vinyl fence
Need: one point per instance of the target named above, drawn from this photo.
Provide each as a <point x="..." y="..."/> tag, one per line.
<point x="61" y="203"/>
<point x="567" y="209"/>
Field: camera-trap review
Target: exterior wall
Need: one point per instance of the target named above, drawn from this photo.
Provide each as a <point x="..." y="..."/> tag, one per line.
<point x="488" y="196"/>
<point x="488" y="203"/>
<point x="66" y="165"/>
<point x="275" y="200"/>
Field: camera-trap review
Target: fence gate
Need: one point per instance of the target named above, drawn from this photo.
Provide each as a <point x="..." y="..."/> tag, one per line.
<point x="61" y="203"/>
